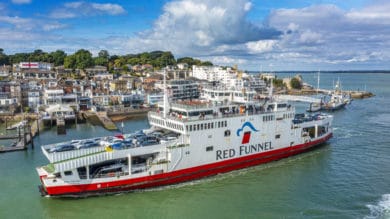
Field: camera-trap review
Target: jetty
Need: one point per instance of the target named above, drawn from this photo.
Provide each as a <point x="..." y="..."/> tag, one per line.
<point x="100" y="118"/>
<point x="23" y="138"/>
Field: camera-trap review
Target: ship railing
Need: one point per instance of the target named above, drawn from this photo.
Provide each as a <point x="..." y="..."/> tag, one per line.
<point x="66" y="155"/>
<point x="159" y="115"/>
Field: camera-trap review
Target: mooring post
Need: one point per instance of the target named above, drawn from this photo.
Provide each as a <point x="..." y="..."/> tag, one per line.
<point x="37" y="133"/>
<point x="31" y="139"/>
<point x="19" y="132"/>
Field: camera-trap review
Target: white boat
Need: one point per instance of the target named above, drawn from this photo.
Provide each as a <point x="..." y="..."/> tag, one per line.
<point x="338" y="99"/>
<point x="187" y="140"/>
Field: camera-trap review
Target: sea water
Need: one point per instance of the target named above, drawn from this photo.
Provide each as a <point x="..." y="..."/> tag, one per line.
<point x="349" y="177"/>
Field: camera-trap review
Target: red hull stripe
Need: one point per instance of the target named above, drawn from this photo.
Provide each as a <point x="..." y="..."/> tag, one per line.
<point x="183" y="175"/>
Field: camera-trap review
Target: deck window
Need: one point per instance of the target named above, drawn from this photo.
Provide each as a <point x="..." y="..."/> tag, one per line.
<point x="209" y="148"/>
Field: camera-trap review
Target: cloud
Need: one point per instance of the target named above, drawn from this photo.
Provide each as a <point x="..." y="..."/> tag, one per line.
<point x="202" y="28"/>
<point x="86" y="9"/>
<point x="261" y="46"/>
<point x="21" y="1"/>
<point x="326" y="34"/>
<point x="16" y="21"/>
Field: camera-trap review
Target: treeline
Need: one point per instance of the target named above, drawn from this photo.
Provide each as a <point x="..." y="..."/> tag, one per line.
<point x="83" y="59"/>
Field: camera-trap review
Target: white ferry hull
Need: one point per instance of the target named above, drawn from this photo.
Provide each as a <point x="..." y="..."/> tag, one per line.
<point x="128" y="183"/>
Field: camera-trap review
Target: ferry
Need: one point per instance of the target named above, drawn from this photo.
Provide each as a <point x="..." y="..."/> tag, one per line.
<point x="187" y="140"/>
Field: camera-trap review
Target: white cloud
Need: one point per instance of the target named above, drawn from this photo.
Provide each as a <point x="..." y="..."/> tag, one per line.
<point x="226" y="60"/>
<point x="53" y="26"/>
<point x="18" y="22"/>
<point x="261" y="46"/>
<point x="21" y="1"/>
<point x="329" y="35"/>
<point x="80" y="9"/>
<point x="202" y="27"/>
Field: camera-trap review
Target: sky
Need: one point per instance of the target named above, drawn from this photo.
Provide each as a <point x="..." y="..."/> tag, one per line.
<point x="257" y="35"/>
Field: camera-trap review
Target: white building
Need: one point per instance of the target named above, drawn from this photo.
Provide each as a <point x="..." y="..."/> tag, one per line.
<point x="180" y="89"/>
<point x="153" y="99"/>
<point x="225" y="76"/>
<point x="52" y="96"/>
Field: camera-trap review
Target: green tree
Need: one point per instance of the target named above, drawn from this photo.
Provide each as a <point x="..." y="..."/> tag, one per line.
<point x="295" y="83"/>
<point x="104" y="54"/>
<point x="83" y="59"/>
<point x="58" y="57"/>
<point x="207" y="63"/>
<point x="70" y="62"/>
<point x="102" y="59"/>
<point x="4" y="59"/>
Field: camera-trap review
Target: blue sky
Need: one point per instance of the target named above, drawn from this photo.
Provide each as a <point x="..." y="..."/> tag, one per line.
<point x="259" y="34"/>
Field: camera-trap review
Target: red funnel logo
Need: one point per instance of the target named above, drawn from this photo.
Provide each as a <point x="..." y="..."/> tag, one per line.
<point x="246" y="137"/>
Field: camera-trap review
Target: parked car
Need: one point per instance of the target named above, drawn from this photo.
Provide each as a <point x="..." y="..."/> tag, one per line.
<point x="63" y="147"/>
<point x="89" y="145"/>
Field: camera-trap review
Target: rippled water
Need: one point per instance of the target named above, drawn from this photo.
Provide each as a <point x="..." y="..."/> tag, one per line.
<point x="347" y="178"/>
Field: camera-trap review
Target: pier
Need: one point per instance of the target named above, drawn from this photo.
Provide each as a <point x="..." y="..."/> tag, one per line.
<point x="100" y="118"/>
<point x="24" y="138"/>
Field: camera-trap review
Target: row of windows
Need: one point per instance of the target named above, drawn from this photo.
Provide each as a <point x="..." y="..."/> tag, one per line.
<point x="268" y="118"/>
<point x="288" y="116"/>
<point x="205" y="126"/>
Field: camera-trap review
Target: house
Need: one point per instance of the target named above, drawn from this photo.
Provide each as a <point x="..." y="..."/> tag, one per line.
<point x="96" y="70"/>
<point x="182" y="66"/>
<point x="103" y="76"/>
<point x="34" y="70"/>
<point x="5" y="71"/>
<point x="8" y="104"/>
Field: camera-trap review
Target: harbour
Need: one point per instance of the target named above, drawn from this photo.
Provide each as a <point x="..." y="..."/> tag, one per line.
<point x="347" y="178"/>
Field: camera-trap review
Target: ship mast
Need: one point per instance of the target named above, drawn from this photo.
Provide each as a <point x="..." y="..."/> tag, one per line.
<point x="165" y="112"/>
<point x="318" y="81"/>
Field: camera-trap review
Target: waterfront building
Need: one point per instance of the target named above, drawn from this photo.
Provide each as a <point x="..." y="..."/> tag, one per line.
<point x="154" y="98"/>
<point x="226" y="76"/>
<point x="8" y="104"/>
<point x="52" y="95"/>
<point x="181" y="89"/>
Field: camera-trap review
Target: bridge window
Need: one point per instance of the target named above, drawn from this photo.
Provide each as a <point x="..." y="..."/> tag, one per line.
<point x="277" y="136"/>
<point x="209" y="148"/>
<point x="227" y="133"/>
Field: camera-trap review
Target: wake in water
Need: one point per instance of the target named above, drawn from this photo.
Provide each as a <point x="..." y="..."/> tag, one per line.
<point x="381" y="209"/>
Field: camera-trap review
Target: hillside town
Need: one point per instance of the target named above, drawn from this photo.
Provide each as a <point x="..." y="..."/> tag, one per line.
<point x="48" y="90"/>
